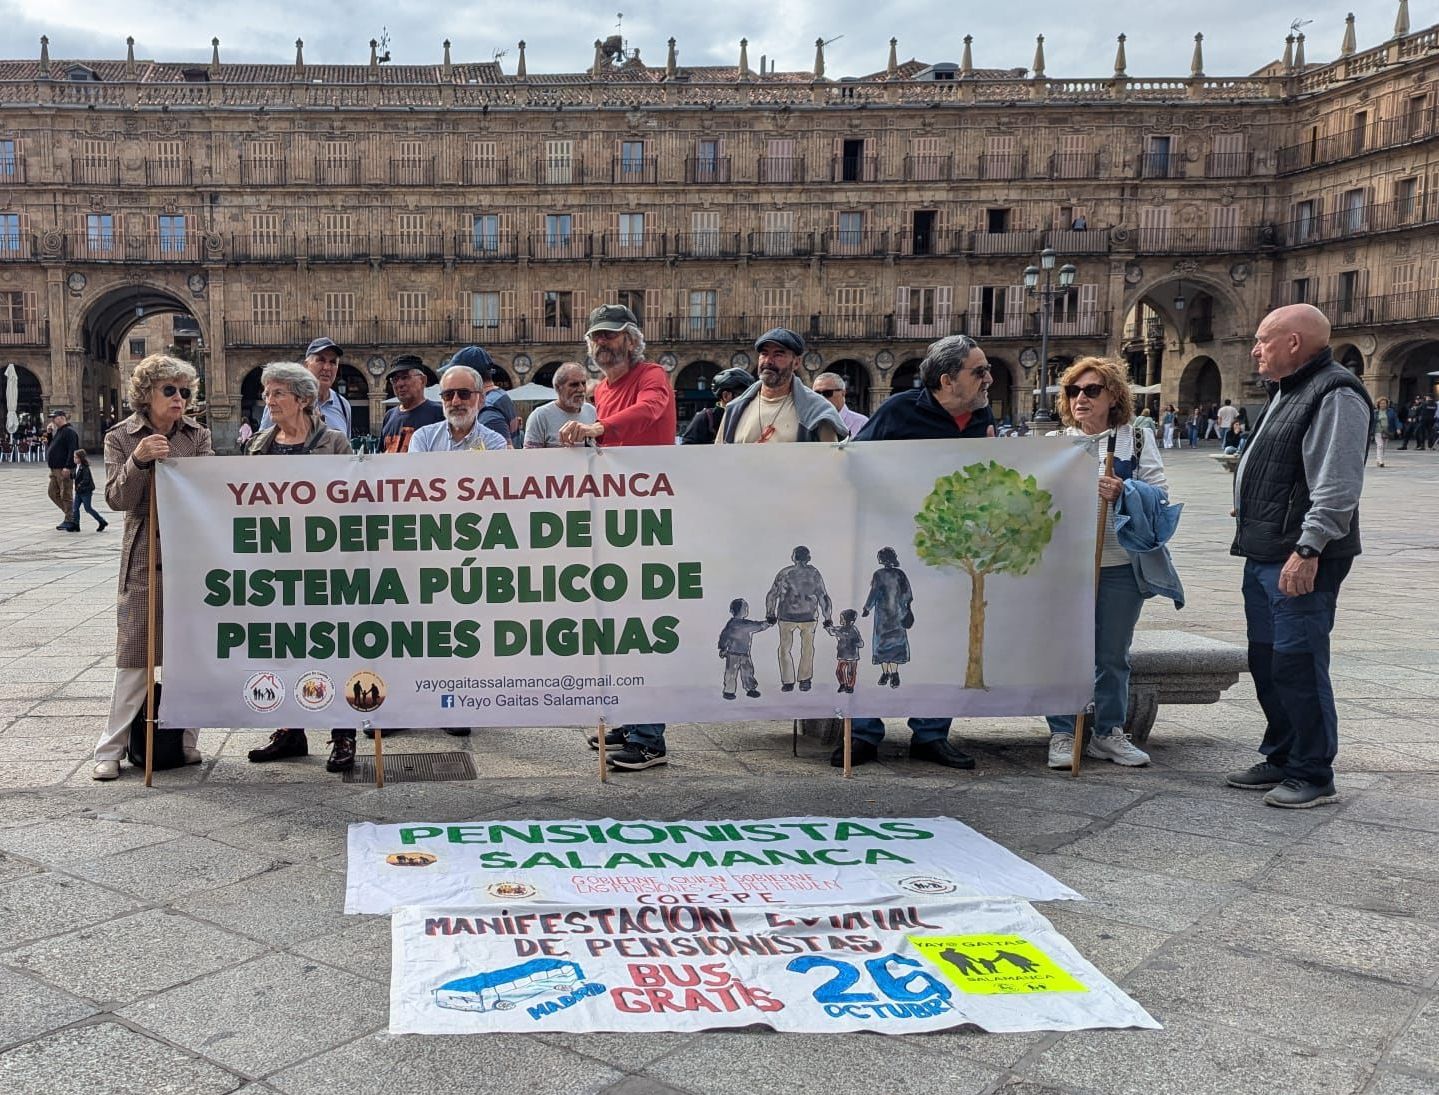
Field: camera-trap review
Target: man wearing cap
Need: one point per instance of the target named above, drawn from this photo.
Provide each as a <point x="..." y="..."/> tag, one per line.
<point x="496" y="410"/>
<point x="634" y="405"/>
<point x="407" y="379"/>
<point x="542" y="431"/>
<point x="831" y="386"/>
<point x="322" y="358"/>
<point x="952" y="402"/>
<point x="778" y="408"/>
<point x="60" y="455"/>
<point x="704" y="427"/>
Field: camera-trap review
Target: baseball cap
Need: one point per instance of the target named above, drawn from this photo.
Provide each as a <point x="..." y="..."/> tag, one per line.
<point x="732" y="380"/>
<point x="475" y="357"/>
<point x="781" y="336"/>
<point x="323" y="343"/>
<point x="407" y="363"/>
<point x="610" y="317"/>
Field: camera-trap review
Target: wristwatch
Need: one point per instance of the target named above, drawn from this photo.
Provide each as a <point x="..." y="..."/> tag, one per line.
<point x="1304" y="551"/>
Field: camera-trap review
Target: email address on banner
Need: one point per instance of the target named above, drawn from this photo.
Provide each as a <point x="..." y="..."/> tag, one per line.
<point x="566" y="690"/>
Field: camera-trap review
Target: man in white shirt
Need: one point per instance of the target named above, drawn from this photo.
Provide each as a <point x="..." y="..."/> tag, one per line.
<point x="322" y="358"/>
<point x="461" y="390"/>
<point x="542" y="431"/>
<point x="1225" y="416"/>
<point x="831" y="386"/>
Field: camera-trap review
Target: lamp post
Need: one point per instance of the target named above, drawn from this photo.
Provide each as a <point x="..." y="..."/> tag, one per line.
<point x="1046" y="295"/>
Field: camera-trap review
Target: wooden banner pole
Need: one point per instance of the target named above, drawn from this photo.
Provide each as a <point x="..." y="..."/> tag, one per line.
<point x="848" y="749"/>
<point x="604" y="764"/>
<point x="1074" y="760"/>
<point x="150" y="541"/>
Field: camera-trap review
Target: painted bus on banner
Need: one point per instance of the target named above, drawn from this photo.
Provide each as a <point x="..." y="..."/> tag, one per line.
<point x="501" y="990"/>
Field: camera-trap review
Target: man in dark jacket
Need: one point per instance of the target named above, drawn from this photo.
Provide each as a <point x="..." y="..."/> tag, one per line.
<point x="952" y="402"/>
<point x="1296" y="505"/>
<point x="61" y="457"/>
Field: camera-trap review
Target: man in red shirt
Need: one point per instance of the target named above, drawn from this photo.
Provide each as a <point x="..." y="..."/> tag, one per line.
<point x="634" y="405"/>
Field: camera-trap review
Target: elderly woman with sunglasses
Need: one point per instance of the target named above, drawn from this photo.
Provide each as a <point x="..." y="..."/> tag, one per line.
<point x="1095" y="404"/>
<point x="159" y="429"/>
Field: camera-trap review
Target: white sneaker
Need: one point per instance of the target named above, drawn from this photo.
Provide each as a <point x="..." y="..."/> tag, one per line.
<point x="193" y="756"/>
<point x="1061" y="750"/>
<point x="106" y="769"/>
<point x="1118" y="748"/>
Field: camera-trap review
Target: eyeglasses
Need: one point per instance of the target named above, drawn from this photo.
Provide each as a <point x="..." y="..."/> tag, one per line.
<point x="1090" y="391"/>
<point x="463" y="394"/>
<point x="830" y="391"/>
<point x="169" y="391"/>
<point x="604" y="335"/>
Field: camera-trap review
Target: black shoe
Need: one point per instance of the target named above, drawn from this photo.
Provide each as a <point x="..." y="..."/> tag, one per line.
<point x="786" y="688"/>
<point x="614" y="739"/>
<point x="102" y="526"/>
<point x="804" y="686"/>
<point x="390" y="730"/>
<point x="883" y="679"/>
<point x="1295" y="794"/>
<point x="633" y="758"/>
<point x="753" y="693"/>
<point x="894" y="680"/>
<point x="283" y="744"/>
<point x="458" y="731"/>
<point x="66" y="526"/>
<point x="940" y="752"/>
<point x="1257" y="777"/>
<point x="342" y="755"/>
<point x="727" y="695"/>
<point x="860" y="752"/>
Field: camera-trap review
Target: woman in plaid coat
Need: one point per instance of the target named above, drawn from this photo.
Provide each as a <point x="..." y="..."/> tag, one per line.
<point x="159" y="429"/>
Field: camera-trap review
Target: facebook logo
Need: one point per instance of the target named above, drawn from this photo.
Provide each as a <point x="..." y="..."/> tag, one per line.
<point x="447" y="700"/>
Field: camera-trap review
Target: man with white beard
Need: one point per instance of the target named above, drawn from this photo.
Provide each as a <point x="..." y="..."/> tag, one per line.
<point x="461" y="390"/>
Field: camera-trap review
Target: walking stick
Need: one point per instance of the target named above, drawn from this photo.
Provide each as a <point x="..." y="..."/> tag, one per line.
<point x="150" y="541"/>
<point x="1074" y="760"/>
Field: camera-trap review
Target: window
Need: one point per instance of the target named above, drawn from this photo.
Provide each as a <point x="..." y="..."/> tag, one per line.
<point x="1402" y="302"/>
<point x="410" y="164"/>
<point x="99" y="232"/>
<point x="1304" y="216"/>
<point x="484" y="165"/>
<point x="1415" y="111"/>
<point x="9" y="232"/>
<point x="705" y="228"/>
<point x="485" y="233"/>
<point x="336" y="229"/>
<point x="94" y="165"/>
<point x="412" y="307"/>
<point x="1158" y="162"/>
<point x="707" y="161"/>
<point x="1348" y="291"/>
<point x="559" y="307"/>
<point x="778" y="232"/>
<point x="849" y="302"/>
<point x="169" y="163"/>
<point x="137" y="347"/>
<point x="779" y="164"/>
<point x="1359" y="134"/>
<point x="1301" y="291"/>
<point x="264" y="234"/>
<point x="172" y="234"/>
<point x="1226" y="226"/>
<point x="557" y="229"/>
<point x="1405" y="193"/>
<point x="996" y="221"/>
<point x="774" y="307"/>
<point x="702" y="313"/>
<point x="634" y="300"/>
<point x="339" y="309"/>
<point x="632" y="159"/>
<point x="558" y="168"/>
<point x="262" y="162"/>
<point x="265" y="308"/>
<point x="8" y="166"/>
<point x="336" y="156"/>
<point x="1229" y="157"/>
<point x="1354" y="210"/>
<point x="1072" y="160"/>
<point x="851" y="230"/>
<point x="1001" y="161"/>
<point x="12" y="313"/>
<point x="921" y="306"/>
<point x="927" y="159"/>
<point x="412" y="229"/>
<point x="632" y="230"/>
<point x="485" y="310"/>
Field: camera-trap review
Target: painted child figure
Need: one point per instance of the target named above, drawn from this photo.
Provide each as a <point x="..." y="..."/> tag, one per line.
<point x="735" y="642"/>
<point x="848" y="644"/>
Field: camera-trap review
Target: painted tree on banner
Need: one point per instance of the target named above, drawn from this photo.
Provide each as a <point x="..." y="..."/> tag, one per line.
<point x="984" y="519"/>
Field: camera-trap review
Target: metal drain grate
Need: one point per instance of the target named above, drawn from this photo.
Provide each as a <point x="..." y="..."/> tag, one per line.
<point x="415" y="768"/>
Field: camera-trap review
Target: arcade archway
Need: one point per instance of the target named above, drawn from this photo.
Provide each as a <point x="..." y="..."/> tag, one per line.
<point x="1001" y="389"/>
<point x="1200" y="383"/>
<point x="1415" y="367"/>
<point x="856" y="383"/>
<point x="694" y="389"/>
<point x="907" y="375"/>
<point x="1348" y="355"/>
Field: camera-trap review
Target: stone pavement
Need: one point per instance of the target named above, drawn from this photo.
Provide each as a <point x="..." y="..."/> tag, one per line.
<point x="189" y="938"/>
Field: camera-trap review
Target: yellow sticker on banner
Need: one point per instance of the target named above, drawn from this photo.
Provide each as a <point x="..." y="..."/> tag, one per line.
<point x="987" y="965"/>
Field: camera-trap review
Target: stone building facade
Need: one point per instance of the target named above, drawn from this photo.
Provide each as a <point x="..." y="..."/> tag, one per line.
<point x="415" y="209"/>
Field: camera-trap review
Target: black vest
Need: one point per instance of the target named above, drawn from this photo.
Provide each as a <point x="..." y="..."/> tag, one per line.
<point x="1274" y="491"/>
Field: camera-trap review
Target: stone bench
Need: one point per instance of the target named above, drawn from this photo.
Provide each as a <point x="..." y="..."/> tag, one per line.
<point x="1227" y="460"/>
<point x="1165" y="667"/>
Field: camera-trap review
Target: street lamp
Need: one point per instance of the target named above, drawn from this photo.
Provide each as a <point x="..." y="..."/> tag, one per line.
<point x="1046" y="294"/>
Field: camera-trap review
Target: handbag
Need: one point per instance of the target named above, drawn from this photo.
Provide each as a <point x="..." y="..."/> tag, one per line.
<point x="169" y="742"/>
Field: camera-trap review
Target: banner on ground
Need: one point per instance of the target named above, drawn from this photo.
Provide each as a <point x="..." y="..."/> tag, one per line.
<point x="767" y="863"/>
<point x="896" y="969"/>
<point x="685" y="584"/>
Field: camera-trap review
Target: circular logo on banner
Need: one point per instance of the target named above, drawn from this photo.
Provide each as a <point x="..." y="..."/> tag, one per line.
<point x="264" y="692"/>
<point x="411" y="859"/>
<point x="510" y="889"/>
<point x="365" y="691"/>
<point x="314" y="691"/>
<point x="927" y="884"/>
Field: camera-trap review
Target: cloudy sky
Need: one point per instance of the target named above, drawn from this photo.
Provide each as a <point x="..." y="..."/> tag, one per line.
<point x="1239" y="35"/>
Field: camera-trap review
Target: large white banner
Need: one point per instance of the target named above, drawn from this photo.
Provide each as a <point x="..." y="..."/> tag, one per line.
<point x="896" y="969"/>
<point x="773" y="862"/>
<point x="694" y="584"/>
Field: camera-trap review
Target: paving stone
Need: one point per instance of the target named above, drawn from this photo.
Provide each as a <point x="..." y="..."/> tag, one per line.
<point x="29" y="1007"/>
<point x="502" y="1064"/>
<point x="1397" y="1083"/>
<point x="1192" y="1057"/>
<point x="280" y="907"/>
<point x="1354" y="883"/>
<point x="305" y="834"/>
<point x="641" y="1085"/>
<point x="48" y="904"/>
<point x="107" y="1059"/>
<point x="1162" y="902"/>
<point x="1418" y="1046"/>
<point x="122" y="960"/>
<point x="266" y="1014"/>
<point x="75" y="839"/>
<point x="744" y="1063"/>
<point x="179" y="866"/>
<point x="361" y="946"/>
<point x="1412" y="851"/>
<point x="1227" y="813"/>
<point x="207" y="807"/>
<point x="1185" y="854"/>
<point x="626" y="1052"/>
<point x="1112" y="946"/>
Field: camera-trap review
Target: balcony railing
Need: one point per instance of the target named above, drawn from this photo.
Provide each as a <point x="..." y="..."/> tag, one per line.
<point x="854" y="241"/>
<point x="1411" y="126"/>
<point x="1161" y="165"/>
<point x="12" y="170"/>
<point x="854" y="169"/>
<point x="243" y="334"/>
<point x="168" y="173"/>
<point x="492" y="332"/>
<point x="778" y="170"/>
<point x="706" y="245"/>
<point x="932" y="242"/>
<point x="1077" y="241"/>
<point x="553" y="247"/>
<point x="1228" y="165"/>
<point x="499" y="246"/>
<point x="780" y="244"/>
<point x="264" y="172"/>
<point x="632" y="245"/>
<point x="338" y="172"/>
<point x="490" y="171"/>
<point x="1074" y="165"/>
<point x="261" y="248"/>
<point x="337" y="247"/>
<point x="927" y="167"/>
<point x="561" y="328"/>
<point x="412" y="172"/>
<point x="1407" y="212"/>
<point x="91" y="171"/>
<point x="1003" y="165"/>
<point x="703" y="171"/>
<point x="1005" y="243"/>
<point x="16" y="245"/>
<point x="638" y="170"/>
<point x="559" y="171"/>
<point x="26" y="331"/>
<point x="156" y="247"/>
<point x="1196" y="240"/>
<point x="1357" y="311"/>
<point x="412" y="246"/>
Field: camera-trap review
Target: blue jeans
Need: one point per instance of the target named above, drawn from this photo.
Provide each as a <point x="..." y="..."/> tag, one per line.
<point x="1289" y="661"/>
<point x="924" y="730"/>
<point x="647" y="735"/>
<point x="1116" y="611"/>
<point x="82" y="501"/>
<point x="1193" y="437"/>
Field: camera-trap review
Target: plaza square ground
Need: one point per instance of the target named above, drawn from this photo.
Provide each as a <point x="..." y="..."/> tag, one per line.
<point x="189" y="938"/>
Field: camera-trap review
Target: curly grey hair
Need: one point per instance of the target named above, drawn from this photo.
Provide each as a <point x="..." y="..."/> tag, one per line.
<point x="157" y="369"/>
<point x="295" y="377"/>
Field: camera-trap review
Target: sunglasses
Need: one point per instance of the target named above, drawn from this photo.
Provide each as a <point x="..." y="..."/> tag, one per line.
<point x="170" y="390"/>
<point x="1090" y="391"/>
<point x="463" y="394"/>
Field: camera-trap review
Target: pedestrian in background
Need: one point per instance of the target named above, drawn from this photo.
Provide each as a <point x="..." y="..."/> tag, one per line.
<point x="84" y="491"/>
<point x="60" y="455"/>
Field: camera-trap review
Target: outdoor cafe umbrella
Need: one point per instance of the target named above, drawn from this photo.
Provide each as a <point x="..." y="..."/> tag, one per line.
<point x="12" y="397"/>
